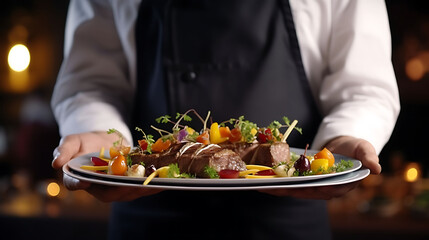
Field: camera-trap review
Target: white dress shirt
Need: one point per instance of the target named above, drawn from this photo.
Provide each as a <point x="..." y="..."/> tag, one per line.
<point x="345" y="47"/>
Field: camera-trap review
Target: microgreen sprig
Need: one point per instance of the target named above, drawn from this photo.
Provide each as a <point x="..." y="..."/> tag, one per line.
<point x="121" y="137"/>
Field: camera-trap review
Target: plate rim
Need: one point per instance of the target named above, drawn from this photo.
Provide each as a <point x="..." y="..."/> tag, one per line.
<point x="334" y="181"/>
<point x="199" y="181"/>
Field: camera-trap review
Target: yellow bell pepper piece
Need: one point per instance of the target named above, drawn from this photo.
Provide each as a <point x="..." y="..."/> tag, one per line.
<point x="190" y="130"/>
<point x="215" y="134"/>
<point x="101" y="155"/>
<point x="257" y="167"/>
<point x="253" y="131"/>
<point x="248" y="172"/>
<point x="319" y="165"/>
<point x="94" y="168"/>
<point x="259" y="176"/>
<point x="150" y="177"/>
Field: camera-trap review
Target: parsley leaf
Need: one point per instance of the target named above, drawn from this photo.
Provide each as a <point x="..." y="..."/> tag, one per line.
<point x="129" y="161"/>
<point x="173" y="171"/>
<point x="211" y="172"/>
<point x="163" y="119"/>
<point x="343" y="165"/>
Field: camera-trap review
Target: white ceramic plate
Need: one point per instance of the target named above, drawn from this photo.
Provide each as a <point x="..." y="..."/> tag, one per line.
<point x="76" y="163"/>
<point x="333" y="181"/>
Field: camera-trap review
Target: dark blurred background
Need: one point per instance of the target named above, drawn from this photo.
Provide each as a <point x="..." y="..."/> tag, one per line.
<point x="33" y="202"/>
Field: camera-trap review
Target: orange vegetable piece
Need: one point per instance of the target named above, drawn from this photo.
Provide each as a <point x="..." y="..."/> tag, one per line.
<point x="118" y="150"/>
<point x="118" y="165"/>
<point x="225" y="132"/>
<point x="235" y="135"/>
<point x="326" y="154"/>
<point x="161" y="145"/>
<point x="204" y="138"/>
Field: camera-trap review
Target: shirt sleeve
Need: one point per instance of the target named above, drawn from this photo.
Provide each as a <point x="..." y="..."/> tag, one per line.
<point x="358" y="93"/>
<point x="93" y="90"/>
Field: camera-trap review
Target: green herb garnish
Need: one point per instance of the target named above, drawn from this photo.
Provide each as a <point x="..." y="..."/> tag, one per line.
<point x="343" y="165"/>
<point x="148" y="138"/>
<point x="211" y="172"/>
<point x="129" y="161"/>
<point x="287" y="122"/>
<point x="163" y="119"/>
<point x="121" y="137"/>
<point x="174" y="172"/>
<point x="246" y="127"/>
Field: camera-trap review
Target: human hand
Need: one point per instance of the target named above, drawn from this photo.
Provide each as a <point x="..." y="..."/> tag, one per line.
<point x="356" y="148"/>
<point x="79" y="144"/>
<point x="348" y="146"/>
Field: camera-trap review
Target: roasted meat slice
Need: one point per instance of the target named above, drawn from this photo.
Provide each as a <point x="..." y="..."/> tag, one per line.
<point x="215" y="157"/>
<point x="243" y="149"/>
<point x="158" y="160"/>
<point x="193" y="158"/>
<point x="271" y="154"/>
<point x="186" y="154"/>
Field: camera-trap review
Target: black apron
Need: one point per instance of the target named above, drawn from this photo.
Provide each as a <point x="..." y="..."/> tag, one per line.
<point x="232" y="57"/>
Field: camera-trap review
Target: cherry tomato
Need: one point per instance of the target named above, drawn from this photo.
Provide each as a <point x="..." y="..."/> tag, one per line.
<point x="204" y="138"/>
<point x="98" y="162"/>
<point x="229" y="173"/>
<point x="118" y="166"/>
<point x="268" y="172"/>
<point x="326" y="154"/>
<point x="235" y="135"/>
<point x="143" y="144"/>
<point x="118" y="150"/>
<point x="265" y="135"/>
<point x="160" y="145"/>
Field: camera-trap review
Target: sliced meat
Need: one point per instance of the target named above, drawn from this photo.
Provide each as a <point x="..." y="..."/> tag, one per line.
<point x="158" y="160"/>
<point x="186" y="156"/>
<point x="217" y="158"/>
<point x="243" y="149"/>
<point x="193" y="158"/>
<point x="271" y="154"/>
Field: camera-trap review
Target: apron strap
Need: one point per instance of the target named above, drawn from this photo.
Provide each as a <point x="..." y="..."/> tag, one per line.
<point x="151" y="87"/>
<point x="294" y="45"/>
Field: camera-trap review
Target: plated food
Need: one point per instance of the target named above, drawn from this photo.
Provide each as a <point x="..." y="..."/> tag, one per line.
<point x="236" y="148"/>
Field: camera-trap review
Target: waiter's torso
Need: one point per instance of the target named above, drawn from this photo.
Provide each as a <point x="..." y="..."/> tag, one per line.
<point x="233" y="58"/>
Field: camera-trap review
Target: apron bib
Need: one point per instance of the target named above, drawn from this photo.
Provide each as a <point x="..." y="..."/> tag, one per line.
<point x="224" y="56"/>
<point x="233" y="58"/>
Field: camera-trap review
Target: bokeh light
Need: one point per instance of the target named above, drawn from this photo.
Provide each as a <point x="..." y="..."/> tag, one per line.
<point x="412" y="172"/>
<point x="415" y="69"/>
<point x="53" y="189"/>
<point x="19" y="58"/>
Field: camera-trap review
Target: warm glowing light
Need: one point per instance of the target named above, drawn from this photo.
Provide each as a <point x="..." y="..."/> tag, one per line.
<point x="415" y="69"/>
<point x="19" y="58"/>
<point x="412" y="172"/>
<point x="411" y="175"/>
<point x="53" y="189"/>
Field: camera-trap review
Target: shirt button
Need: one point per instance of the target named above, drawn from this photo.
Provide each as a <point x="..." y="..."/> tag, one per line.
<point x="189" y="77"/>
